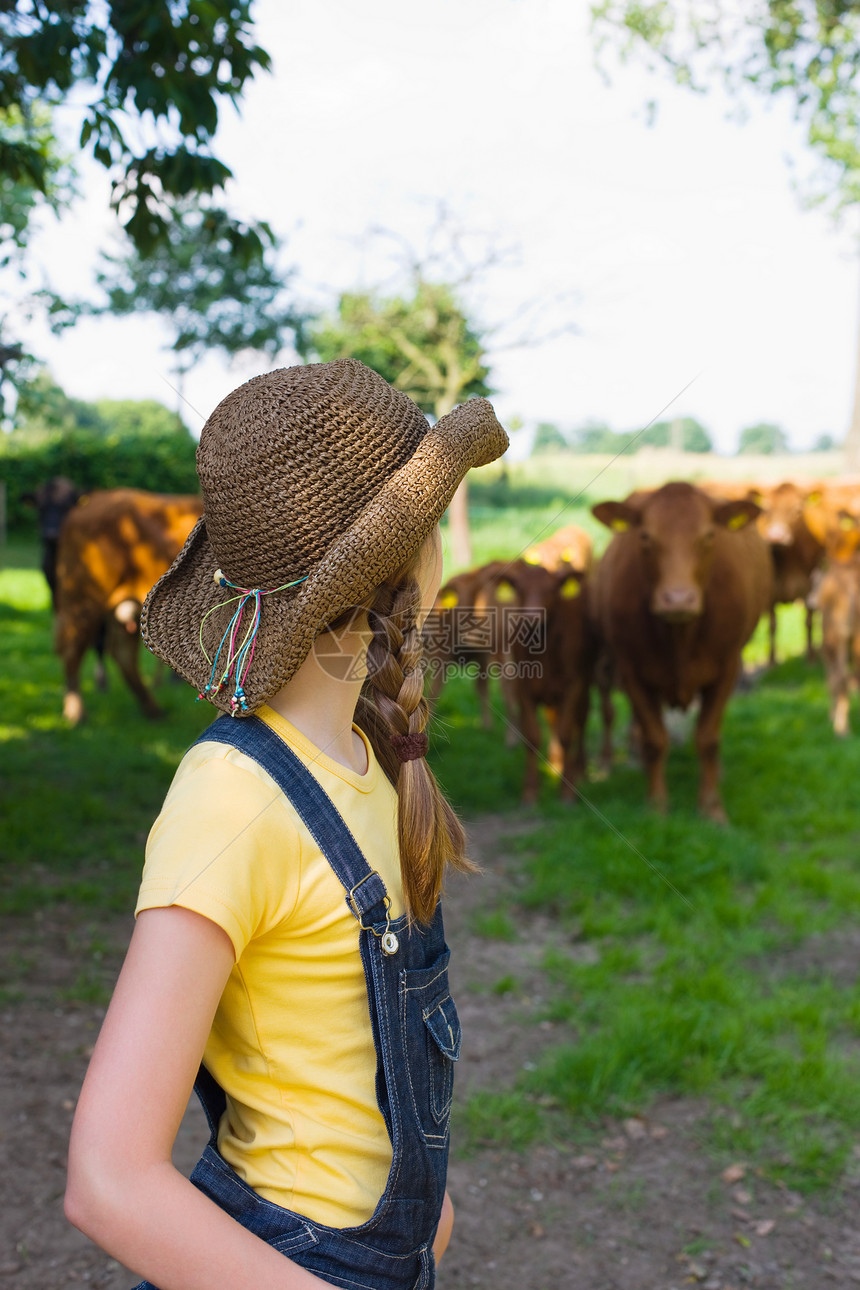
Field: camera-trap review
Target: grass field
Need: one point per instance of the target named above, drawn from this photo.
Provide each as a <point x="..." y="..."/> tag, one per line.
<point x="715" y="962"/>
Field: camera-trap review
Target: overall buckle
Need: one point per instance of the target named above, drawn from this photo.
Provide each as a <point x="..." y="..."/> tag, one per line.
<point x="388" y="940"/>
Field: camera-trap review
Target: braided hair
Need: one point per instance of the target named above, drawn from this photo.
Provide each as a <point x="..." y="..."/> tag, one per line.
<point x="392" y="703"/>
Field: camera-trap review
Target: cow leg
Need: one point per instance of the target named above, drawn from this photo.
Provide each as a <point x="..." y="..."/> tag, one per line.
<point x="555" y="750"/>
<point x="123" y="644"/>
<point x="634" y="740"/>
<point x="572" y="720"/>
<point x="74" y="633"/>
<point x="772" y="624"/>
<point x="99" y="646"/>
<point x="810" y="643"/>
<point x="482" y="686"/>
<point x="73" y="704"/>
<point x="510" y="699"/>
<point x="604" y="678"/>
<point x="654" y="739"/>
<point x="835" y="652"/>
<point x="530" y="727"/>
<point x="708" y="727"/>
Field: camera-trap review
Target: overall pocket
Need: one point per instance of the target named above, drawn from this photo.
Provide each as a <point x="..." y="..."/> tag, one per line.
<point x="431" y="1040"/>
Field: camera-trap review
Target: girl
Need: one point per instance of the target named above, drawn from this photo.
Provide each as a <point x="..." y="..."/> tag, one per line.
<point x="288" y="958"/>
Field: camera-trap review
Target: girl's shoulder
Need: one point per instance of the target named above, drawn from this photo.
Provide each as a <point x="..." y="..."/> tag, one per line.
<point x="225" y="844"/>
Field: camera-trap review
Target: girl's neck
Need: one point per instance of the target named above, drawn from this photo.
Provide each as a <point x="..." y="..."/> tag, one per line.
<point x="321" y="703"/>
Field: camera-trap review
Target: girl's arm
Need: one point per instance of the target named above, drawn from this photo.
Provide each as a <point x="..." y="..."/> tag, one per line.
<point x="443" y="1231"/>
<point x="123" y="1190"/>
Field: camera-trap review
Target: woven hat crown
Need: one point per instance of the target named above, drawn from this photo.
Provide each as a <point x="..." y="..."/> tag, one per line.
<point x="324" y="477"/>
<point x="289" y="460"/>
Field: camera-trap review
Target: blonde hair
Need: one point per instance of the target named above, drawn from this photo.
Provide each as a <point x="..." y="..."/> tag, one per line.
<point x="392" y="702"/>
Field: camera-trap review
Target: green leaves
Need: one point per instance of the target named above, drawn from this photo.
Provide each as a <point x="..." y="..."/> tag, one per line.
<point x="141" y="65"/>
<point x="806" y="49"/>
<point x="422" y="343"/>
<point x="213" y="278"/>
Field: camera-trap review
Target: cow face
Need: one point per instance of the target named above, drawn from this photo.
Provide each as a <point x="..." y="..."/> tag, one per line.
<point x="781" y="511"/>
<point x="832" y="516"/>
<point x="53" y="500"/>
<point x="675" y="528"/>
<point x="518" y="596"/>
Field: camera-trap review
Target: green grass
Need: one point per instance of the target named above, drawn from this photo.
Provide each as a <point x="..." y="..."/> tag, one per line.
<point x="684" y="969"/>
<point x="79" y="802"/>
<point x="688" y="986"/>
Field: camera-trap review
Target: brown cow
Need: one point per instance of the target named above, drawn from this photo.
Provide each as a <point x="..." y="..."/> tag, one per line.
<point x="677" y="594"/>
<point x="113" y="546"/>
<point x="459" y="634"/>
<point x="831" y="512"/>
<point x="546" y="658"/>
<point x="795" y="551"/>
<point x="52" y="501"/>
<point x="837" y="595"/>
<point x="570" y="546"/>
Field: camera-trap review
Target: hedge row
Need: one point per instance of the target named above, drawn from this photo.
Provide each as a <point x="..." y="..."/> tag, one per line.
<point x="162" y="463"/>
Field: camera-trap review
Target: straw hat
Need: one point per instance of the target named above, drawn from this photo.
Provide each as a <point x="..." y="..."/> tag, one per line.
<point x="324" y="473"/>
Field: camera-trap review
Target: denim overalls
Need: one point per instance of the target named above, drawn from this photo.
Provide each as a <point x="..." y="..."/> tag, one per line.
<point x="417" y="1036"/>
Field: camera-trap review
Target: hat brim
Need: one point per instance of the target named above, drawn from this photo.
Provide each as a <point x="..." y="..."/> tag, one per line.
<point x="386" y="533"/>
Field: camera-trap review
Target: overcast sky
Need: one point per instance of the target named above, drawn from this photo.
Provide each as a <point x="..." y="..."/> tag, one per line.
<point x="678" y="252"/>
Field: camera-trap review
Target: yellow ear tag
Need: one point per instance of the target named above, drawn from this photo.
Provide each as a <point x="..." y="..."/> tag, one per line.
<point x="505" y="593"/>
<point x="738" y="521"/>
<point x="531" y="558"/>
<point x="567" y="555"/>
<point x="847" y="522"/>
<point x="570" y="589"/>
<point x="449" y="600"/>
<point x="813" y="498"/>
<point x="620" y="526"/>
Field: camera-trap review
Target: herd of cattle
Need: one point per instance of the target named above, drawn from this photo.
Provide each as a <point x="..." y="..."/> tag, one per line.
<point x="663" y="615"/>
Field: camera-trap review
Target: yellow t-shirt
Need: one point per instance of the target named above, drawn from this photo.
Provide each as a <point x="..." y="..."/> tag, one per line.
<point x="291" y="1043"/>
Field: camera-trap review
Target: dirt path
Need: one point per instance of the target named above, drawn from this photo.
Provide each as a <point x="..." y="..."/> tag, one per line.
<point x="646" y="1208"/>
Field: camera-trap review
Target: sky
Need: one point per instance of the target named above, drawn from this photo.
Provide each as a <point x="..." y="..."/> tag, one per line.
<point x="667" y="267"/>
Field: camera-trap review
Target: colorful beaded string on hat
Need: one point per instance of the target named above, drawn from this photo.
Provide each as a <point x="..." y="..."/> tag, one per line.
<point x="240" y="653"/>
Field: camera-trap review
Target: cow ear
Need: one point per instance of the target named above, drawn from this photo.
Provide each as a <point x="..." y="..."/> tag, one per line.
<point x="617" y="516"/>
<point x="736" y="514"/>
<point x="570" y="587"/>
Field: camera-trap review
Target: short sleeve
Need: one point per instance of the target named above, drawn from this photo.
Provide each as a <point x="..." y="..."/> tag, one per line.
<point x="225" y="846"/>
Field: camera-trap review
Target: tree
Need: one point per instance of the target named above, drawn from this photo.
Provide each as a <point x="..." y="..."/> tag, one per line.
<point x="548" y="438"/>
<point x="44" y="409"/>
<point x="423" y="343"/>
<point x="214" y="281"/>
<point x="596" y="436"/>
<point x="806" y="50"/>
<point x="138" y="418"/>
<point x="33" y="135"/>
<point x="684" y="433"/>
<point x="763" y="437"/>
<point x="149" y="81"/>
<point x="824" y="443"/>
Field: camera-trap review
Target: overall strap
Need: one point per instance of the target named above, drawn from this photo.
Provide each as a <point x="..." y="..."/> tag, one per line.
<point x="363" y="885"/>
